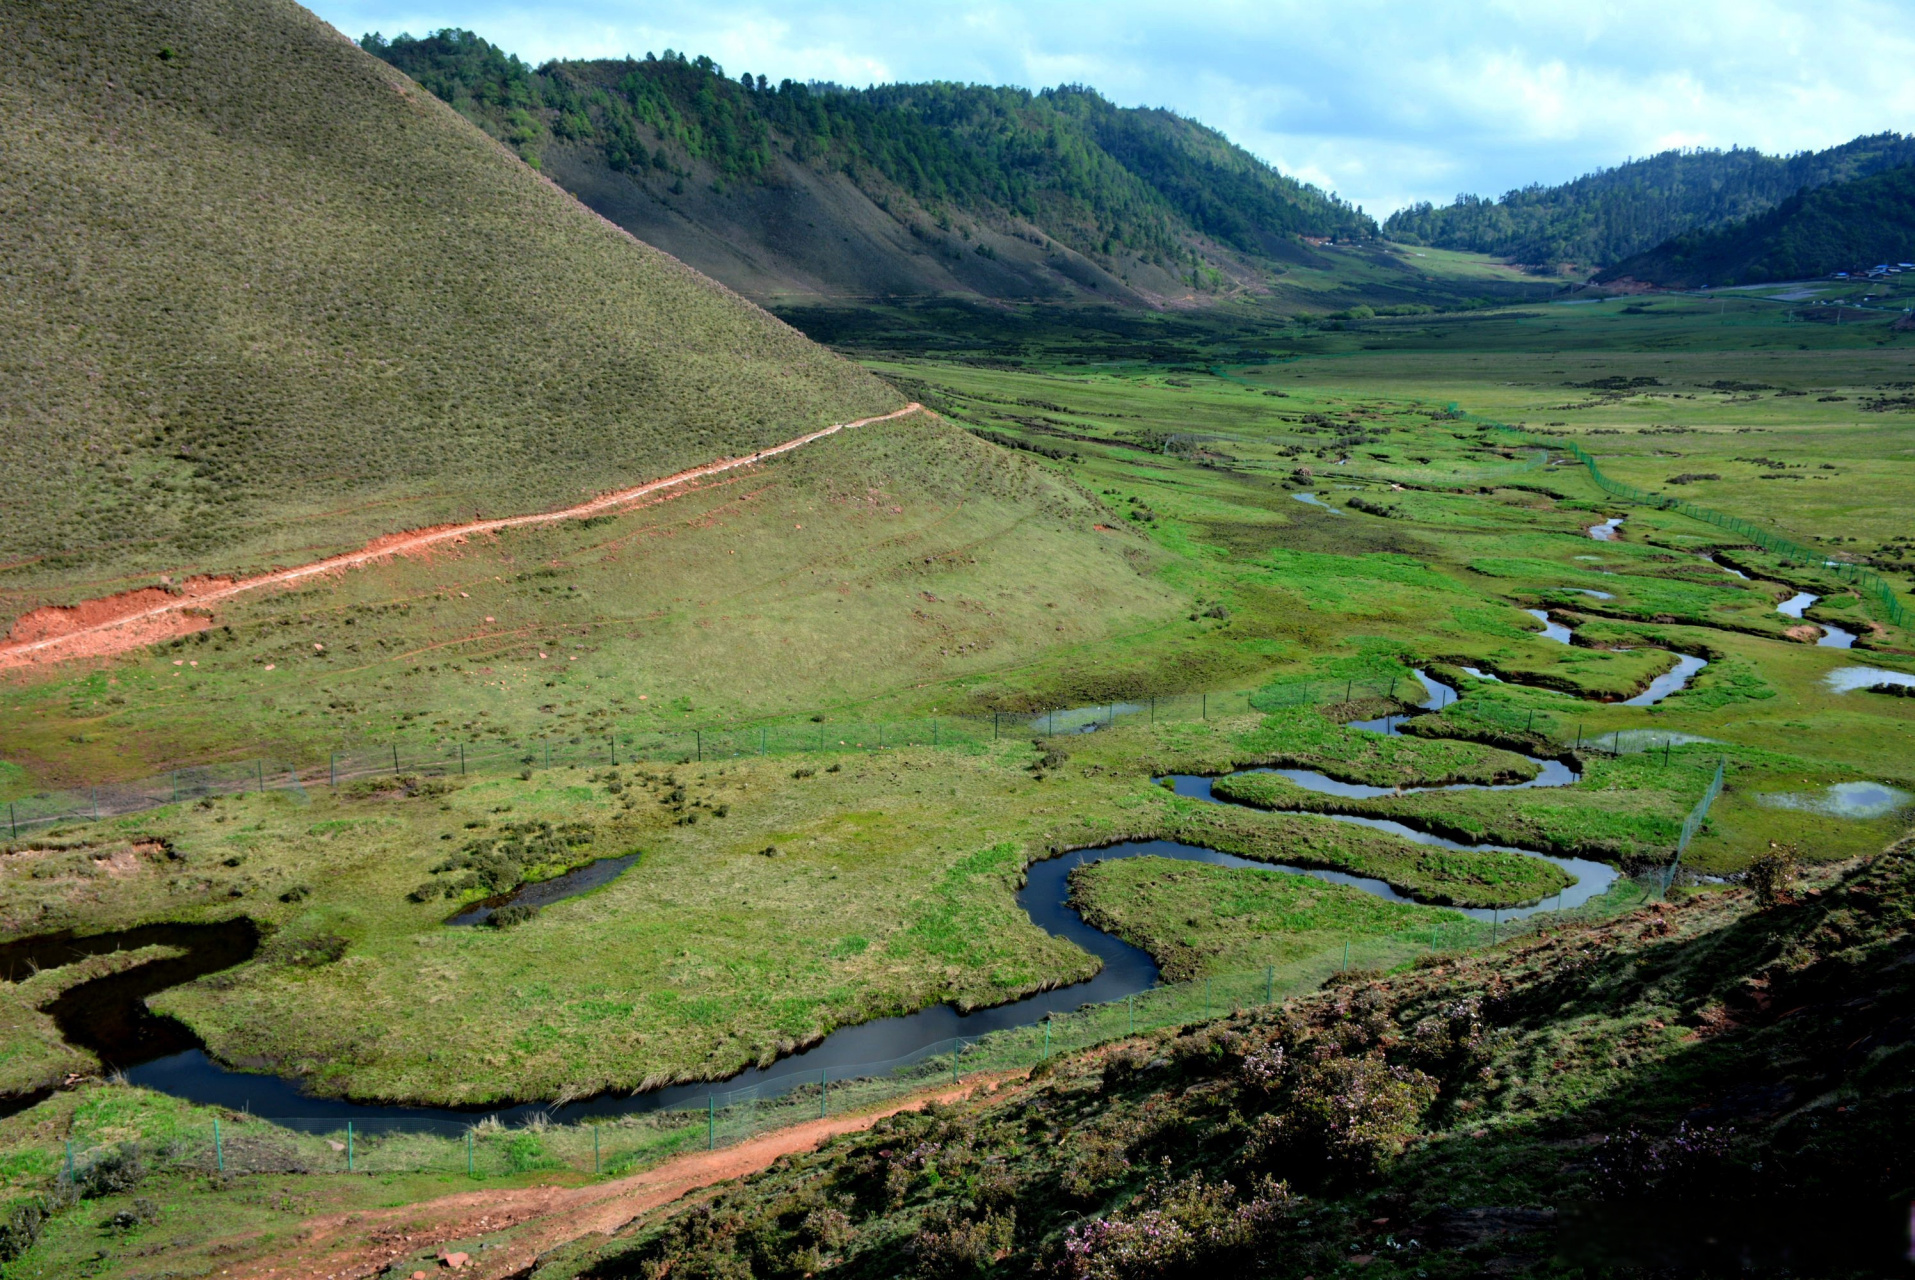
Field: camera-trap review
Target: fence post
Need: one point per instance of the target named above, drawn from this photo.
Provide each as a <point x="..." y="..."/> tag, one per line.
<point x="96" y="803"/>
<point x="219" y="1149"/>
<point x="934" y="731"/>
<point x="13" y="821"/>
<point x="1206" y="707"/>
<point x="994" y="729"/>
<point x="1667" y="743"/>
<point x="880" y="735"/>
<point x="548" y="753"/>
<point x="699" y="735"/>
<point x="711" y="1122"/>
<point x="957" y="1047"/>
<point x="1206" y="999"/>
<point x="1270" y="984"/>
<point x="1346" y="953"/>
<point x="348" y="1146"/>
<point x="468" y="1153"/>
<point x="1130" y="1008"/>
<point x="762" y="731"/>
<point x="1047" y="1038"/>
<point x="462" y="759"/>
<point x="595" y="1163"/>
<point x="395" y="757"/>
<point x="1153" y="708"/>
<point x="824" y="1091"/>
<point x="332" y="768"/>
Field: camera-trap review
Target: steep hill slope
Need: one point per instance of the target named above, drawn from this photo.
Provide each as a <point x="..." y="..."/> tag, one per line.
<point x="894" y="191"/>
<point x="1841" y="227"/>
<point x="265" y="298"/>
<point x="1606" y="216"/>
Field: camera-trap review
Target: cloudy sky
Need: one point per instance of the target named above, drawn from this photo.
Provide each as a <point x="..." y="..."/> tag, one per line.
<point x="1385" y="103"/>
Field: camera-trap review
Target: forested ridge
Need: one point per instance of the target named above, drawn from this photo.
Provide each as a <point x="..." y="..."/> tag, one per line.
<point x="1841" y="227"/>
<point x="1603" y="217"/>
<point x="1099" y="178"/>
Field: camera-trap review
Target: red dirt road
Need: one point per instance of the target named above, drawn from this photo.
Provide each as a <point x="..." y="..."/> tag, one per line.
<point x="521" y="1223"/>
<point x="115" y="624"/>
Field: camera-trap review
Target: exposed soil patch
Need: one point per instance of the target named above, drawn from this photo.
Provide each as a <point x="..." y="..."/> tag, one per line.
<point x="519" y="1224"/>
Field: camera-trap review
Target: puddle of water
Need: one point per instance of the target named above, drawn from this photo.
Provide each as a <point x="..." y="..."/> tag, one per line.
<point x="1590" y="591"/>
<point x="1482" y="675"/>
<point x="1635" y="741"/>
<point x="1315" y="501"/>
<point x="1551" y="630"/>
<point x="1668" y="682"/>
<point x="1849" y="679"/>
<point x="1083" y="719"/>
<point x="1843" y="800"/>
<point x="1796" y="603"/>
<point x="592" y="875"/>
<point x="1606" y="531"/>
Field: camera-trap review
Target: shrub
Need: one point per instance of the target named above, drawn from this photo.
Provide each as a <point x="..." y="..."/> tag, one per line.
<point x="1343" y="1116"/>
<point x="1690" y="1163"/>
<point x="142" y="1212"/>
<point x="950" y="1247"/>
<point x="1772" y="874"/>
<point x="114" y="1173"/>
<point x="512" y="915"/>
<point x="1189" y="1226"/>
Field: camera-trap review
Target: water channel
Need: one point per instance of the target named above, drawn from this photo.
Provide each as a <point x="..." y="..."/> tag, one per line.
<point x="110" y="1016"/>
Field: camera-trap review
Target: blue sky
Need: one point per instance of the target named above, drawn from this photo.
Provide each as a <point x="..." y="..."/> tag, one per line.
<point x="1385" y="103"/>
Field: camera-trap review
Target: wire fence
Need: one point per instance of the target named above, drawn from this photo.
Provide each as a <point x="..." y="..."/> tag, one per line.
<point x="238" y="1143"/>
<point x="610" y="747"/>
<point x="408" y="763"/>
<point x="1869" y="585"/>
<point x="1693" y="823"/>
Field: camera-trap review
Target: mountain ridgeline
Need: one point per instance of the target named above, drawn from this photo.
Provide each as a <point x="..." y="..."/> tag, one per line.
<point x="1604" y="217"/>
<point x="1840" y="227"/>
<point x="892" y="191"/>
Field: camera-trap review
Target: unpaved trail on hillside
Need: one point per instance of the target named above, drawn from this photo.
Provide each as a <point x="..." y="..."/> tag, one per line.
<point x="519" y="1224"/>
<point x="115" y="624"/>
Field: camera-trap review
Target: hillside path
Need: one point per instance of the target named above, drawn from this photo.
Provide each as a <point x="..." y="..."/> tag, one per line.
<point x="115" y="624"/>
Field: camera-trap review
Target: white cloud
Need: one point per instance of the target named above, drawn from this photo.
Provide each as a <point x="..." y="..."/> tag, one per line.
<point x="1383" y="102"/>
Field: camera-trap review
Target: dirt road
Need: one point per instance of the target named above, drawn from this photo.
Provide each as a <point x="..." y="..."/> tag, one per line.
<point x="519" y="1224"/>
<point x="115" y="624"/>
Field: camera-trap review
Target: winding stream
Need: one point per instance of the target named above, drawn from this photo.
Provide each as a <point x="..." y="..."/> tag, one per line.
<point x="110" y="1016"/>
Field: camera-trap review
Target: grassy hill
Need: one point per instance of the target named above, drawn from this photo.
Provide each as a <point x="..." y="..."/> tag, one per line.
<point x="265" y="297"/>
<point x="894" y="191"/>
<point x="1846" y="226"/>
<point x="1603" y="217"/>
